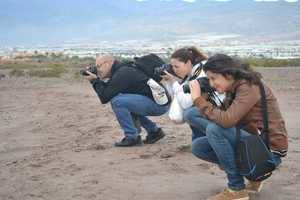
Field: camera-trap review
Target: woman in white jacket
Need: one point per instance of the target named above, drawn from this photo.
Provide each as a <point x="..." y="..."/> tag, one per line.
<point x="187" y="65"/>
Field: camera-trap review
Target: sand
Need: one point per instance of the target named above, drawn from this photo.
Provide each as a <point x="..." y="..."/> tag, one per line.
<point x="56" y="142"/>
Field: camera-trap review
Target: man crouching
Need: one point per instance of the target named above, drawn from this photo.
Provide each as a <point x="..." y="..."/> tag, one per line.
<point x="130" y="97"/>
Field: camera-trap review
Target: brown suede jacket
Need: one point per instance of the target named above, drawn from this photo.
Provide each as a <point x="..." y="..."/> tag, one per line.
<point x="243" y="107"/>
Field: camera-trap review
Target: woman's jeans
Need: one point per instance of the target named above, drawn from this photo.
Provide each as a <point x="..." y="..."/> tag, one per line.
<point x="197" y="123"/>
<point x="217" y="145"/>
<point x="124" y="105"/>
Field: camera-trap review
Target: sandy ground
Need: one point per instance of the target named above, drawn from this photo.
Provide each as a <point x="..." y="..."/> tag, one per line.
<point x="56" y="142"/>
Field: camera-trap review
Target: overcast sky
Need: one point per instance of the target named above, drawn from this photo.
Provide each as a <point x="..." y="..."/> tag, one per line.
<point x="191" y="1"/>
<point x="56" y="21"/>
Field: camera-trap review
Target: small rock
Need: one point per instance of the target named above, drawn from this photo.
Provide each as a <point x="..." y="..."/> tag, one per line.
<point x="166" y="155"/>
<point x="185" y="148"/>
<point x="145" y="156"/>
<point x="96" y="147"/>
<point x="2" y="76"/>
<point x="77" y="150"/>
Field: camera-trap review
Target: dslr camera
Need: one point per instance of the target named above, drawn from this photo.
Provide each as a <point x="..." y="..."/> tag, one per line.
<point x="204" y="85"/>
<point x="159" y="71"/>
<point x="205" y="88"/>
<point x="92" y="69"/>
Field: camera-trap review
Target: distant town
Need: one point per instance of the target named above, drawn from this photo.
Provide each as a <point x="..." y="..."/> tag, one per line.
<point x="127" y="49"/>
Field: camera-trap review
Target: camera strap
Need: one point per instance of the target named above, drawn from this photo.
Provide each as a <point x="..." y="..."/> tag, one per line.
<point x="184" y="79"/>
<point x="195" y="75"/>
<point x="197" y="72"/>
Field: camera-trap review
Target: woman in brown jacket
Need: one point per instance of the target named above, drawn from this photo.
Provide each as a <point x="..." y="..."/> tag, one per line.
<point x="242" y="108"/>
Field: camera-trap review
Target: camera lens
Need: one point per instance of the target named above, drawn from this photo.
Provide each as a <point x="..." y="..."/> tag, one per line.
<point x="83" y="72"/>
<point x="92" y="69"/>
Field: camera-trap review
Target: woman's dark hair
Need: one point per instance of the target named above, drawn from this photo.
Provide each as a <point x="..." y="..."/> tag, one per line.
<point x="189" y="53"/>
<point x="226" y="65"/>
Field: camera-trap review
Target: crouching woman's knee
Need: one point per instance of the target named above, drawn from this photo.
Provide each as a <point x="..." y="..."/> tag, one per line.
<point x="198" y="147"/>
<point x="189" y="114"/>
<point x="214" y="131"/>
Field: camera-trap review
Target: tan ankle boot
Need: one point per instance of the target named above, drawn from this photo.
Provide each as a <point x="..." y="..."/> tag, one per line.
<point x="229" y="194"/>
<point x="254" y="186"/>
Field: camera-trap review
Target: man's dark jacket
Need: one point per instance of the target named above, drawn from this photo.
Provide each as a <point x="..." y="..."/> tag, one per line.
<point x="124" y="79"/>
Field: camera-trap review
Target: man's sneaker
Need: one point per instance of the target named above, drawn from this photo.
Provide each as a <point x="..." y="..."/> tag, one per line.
<point x="229" y="194"/>
<point x="254" y="186"/>
<point x="154" y="137"/>
<point x="129" y="141"/>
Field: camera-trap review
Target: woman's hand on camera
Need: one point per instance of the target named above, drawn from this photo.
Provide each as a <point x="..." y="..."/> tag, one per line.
<point x="91" y="76"/>
<point x="168" y="77"/>
<point x="195" y="89"/>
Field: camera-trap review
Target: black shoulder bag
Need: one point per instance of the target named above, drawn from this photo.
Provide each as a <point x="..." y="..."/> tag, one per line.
<point x="253" y="156"/>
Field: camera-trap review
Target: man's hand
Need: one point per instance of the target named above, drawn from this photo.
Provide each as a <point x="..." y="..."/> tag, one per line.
<point x="91" y="76"/>
<point x="195" y="89"/>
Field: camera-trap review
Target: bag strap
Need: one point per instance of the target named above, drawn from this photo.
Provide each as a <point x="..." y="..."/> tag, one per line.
<point x="265" y="117"/>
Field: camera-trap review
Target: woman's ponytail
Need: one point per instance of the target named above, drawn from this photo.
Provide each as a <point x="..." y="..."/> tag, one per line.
<point x="189" y="53"/>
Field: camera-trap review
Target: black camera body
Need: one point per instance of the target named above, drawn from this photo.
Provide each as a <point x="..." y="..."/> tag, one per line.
<point x="204" y="85"/>
<point x="160" y="71"/>
<point x="205" y="88"/>
<point x="93" y="69"/>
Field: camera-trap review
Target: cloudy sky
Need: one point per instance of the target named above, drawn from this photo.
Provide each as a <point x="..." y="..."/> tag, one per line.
<point x="191" y="1"/>
<point x="57" y="21"/>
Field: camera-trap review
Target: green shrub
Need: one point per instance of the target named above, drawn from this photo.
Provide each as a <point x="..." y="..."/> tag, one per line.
<point x="270" y="62"/>
<point x="52" y="70"/>
<point x="17" y="72"/>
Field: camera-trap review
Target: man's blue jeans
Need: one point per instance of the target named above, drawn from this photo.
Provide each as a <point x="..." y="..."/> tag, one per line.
<point x="217" y="145"/>
<point x="124" y="105"/>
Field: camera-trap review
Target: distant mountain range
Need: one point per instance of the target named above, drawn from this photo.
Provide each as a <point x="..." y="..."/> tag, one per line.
<point x="55" y="21"/>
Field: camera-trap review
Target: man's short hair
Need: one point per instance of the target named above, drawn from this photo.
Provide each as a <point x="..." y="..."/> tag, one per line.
<point x="104" y="58"/>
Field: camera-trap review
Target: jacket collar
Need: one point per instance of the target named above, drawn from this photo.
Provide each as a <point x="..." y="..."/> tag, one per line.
<point x="116" y="65"/>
